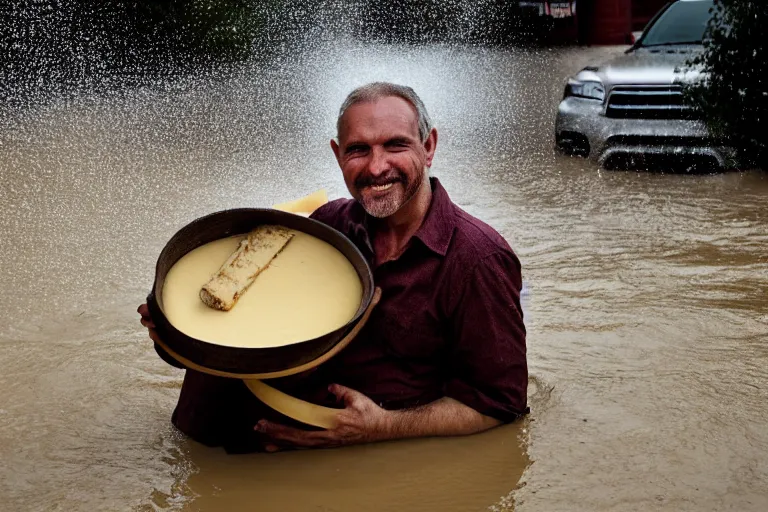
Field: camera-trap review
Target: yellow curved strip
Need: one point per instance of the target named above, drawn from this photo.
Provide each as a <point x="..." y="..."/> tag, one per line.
<point x="304" y="205"/>
<point x="305" y="412"/>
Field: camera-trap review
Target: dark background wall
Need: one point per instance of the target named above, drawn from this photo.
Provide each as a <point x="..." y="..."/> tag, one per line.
<point x="611" y="21"/>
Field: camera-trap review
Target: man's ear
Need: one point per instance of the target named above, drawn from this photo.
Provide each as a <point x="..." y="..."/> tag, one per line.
<point x="336" y="150"/>
<point x="430" y="145"/>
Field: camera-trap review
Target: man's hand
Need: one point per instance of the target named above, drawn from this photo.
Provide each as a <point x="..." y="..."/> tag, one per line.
<point x="361" y="421"/>
<point x="146" y="321"/>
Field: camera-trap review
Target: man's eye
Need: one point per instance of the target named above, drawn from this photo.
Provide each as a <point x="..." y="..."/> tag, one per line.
<point x="355" y="149"/>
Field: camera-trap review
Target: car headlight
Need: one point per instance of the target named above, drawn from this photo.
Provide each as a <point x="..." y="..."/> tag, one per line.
<point x="585" y="89"/>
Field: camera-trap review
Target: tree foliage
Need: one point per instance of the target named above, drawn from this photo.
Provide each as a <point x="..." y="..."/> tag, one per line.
<point x="732" y="93"/>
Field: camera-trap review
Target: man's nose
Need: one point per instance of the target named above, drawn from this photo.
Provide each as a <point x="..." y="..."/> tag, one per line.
<point x="377" y="165"/>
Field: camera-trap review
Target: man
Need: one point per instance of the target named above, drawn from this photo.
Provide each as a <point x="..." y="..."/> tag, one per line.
<point x="443" y="352"/>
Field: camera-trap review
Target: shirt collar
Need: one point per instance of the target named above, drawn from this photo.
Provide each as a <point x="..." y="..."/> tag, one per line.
<point x="435" y="231"/>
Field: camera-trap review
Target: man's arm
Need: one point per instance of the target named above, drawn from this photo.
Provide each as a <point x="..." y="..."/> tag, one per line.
<point x="488" y="373"/>
<point x="488" y="369"/>
<point x="362" y="421"/>
<point x="443" y="417"/>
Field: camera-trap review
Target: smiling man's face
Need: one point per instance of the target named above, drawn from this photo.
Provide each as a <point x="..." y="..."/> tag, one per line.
<point x="381" y="155"/>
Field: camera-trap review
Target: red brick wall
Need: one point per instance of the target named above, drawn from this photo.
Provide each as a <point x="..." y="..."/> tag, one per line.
<point x="643" y="11"/>
<point x="605" y="21"/>
<point x="610" y="22"/>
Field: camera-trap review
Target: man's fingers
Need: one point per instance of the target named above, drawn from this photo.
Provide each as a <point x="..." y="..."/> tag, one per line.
<point x="294" y="436"/>
<point x="153" y="335"/>
<point x="281" y="432"/>
<point x="146" y="318"/>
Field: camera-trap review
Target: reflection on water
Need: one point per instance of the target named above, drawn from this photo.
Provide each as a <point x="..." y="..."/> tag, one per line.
<point x="648" y="314"/>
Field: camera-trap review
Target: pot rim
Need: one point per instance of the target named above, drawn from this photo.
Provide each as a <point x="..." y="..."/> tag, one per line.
<point x="246" y="359"/>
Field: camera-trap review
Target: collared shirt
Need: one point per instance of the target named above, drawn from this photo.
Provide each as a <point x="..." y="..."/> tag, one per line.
<point x="449" y="323"/>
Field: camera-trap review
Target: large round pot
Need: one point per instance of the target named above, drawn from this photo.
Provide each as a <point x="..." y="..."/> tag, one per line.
<point x="250" y="360"/>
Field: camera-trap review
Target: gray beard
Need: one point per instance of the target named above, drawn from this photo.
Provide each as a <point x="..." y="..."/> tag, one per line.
<point x="382" y="209"/>
<point x="390" y="206"/>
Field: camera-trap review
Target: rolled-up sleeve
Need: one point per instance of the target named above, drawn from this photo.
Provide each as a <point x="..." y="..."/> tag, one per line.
<point x="487" y="359"/>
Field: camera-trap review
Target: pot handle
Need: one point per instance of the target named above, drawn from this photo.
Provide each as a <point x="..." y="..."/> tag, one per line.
<point x="299" y="410"/>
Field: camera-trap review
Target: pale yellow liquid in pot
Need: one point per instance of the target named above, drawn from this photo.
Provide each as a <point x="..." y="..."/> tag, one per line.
<point x="310" y="289"/>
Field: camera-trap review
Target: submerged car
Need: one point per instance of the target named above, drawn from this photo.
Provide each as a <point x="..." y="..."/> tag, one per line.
<point x="629" y="112"/>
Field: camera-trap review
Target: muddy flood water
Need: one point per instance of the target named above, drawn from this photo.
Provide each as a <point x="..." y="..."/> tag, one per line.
<point x="647" y="308"/>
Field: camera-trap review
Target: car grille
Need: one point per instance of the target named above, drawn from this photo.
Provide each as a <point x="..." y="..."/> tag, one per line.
<point x="648" y="103"/>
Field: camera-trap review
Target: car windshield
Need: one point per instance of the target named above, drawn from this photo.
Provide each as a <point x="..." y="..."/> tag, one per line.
<point x="684" y="22"/>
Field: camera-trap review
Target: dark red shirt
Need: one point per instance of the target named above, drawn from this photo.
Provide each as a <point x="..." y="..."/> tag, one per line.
<point x="449" y="323"/>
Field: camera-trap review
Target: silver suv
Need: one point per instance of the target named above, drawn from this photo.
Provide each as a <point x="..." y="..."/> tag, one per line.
<point x="629" y="112"/>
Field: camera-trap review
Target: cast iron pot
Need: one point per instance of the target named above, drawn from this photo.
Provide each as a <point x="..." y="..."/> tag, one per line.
<point x="249" y="360"/>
